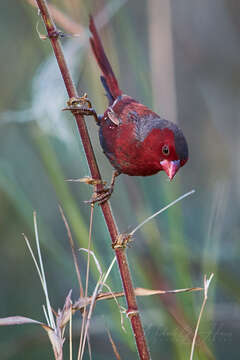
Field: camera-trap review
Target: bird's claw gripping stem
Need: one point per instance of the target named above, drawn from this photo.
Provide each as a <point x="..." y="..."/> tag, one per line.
<point x="103" y="195"/>
<point x="82" y="106"/>
<point x="100" y="196"/>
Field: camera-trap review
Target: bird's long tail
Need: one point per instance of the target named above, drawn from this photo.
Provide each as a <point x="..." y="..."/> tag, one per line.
<point x="108" y="79"/>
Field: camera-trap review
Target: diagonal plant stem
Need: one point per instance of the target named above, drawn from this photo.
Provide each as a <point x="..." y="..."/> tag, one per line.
<point x="85" y="313"/>
<point x="120" y="253"/>
<point x="73" y="251"/>
<point x="206" y="286"/>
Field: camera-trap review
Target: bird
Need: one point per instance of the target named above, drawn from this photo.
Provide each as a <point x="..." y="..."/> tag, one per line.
<point x="136" y="140"/>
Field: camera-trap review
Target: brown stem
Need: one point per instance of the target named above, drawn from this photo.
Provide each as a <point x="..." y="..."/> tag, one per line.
<point x="132" y="310"/>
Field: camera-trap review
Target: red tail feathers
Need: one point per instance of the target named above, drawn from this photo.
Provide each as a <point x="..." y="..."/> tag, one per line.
<point x="103" y="62"/>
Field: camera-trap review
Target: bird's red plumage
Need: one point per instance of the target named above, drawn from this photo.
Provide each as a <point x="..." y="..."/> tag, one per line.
<point x="134" y="138"/>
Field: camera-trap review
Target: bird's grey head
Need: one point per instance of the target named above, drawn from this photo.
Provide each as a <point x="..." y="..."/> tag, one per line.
<point x="145" y="124"/>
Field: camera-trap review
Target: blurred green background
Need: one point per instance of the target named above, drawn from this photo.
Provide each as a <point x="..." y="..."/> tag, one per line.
<point x="182" y="59"/>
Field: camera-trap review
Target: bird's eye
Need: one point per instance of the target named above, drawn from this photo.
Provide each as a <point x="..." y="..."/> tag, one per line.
<point x="165" y="150"/>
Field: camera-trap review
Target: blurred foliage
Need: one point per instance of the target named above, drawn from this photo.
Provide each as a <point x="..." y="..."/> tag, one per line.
<point x="40" y="149"/>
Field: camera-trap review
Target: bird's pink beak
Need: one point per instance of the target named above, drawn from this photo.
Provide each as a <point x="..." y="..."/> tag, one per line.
<point x="170" y="167"/>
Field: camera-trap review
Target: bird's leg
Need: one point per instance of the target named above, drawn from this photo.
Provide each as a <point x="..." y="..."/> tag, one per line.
<point x="100" y="196"/>
<point x="82" y="105"/>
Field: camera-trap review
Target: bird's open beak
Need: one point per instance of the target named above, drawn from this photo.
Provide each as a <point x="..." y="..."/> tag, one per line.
<point x="170" y="167"/>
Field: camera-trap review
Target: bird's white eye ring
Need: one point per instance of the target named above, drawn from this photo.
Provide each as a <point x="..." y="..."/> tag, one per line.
<point x="165" y="150"/>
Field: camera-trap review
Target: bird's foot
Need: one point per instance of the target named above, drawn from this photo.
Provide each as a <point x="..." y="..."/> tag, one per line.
<point x="100" y="196"/>
<point x="82" y="106"/>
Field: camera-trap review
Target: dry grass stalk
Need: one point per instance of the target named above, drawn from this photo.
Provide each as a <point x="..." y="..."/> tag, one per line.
<point x="206" y="286"/>
<point x="115" y="350"/>
<point x="84" y="315"/>
<point x="73" y="251"/>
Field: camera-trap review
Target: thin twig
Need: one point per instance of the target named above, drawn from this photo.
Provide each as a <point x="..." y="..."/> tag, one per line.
<point x="115" y="350"/>
<point x="34" y="259"/>
<point x="40" y="270"/>
<point x="90" y="252"/>
<point x="89" y="315"/>
<point x="160" y="211"/>
<point x="108" y="271"/>
<point x="70" y="337"/>
<point x="50" y="314"/>
<point x="73" y="251"/>
<point x="46" y="315"/>
<point x="62" y="20"/>
<point x="89" y="347"/>
<point x="84" y="315"/>
<point x="206" y="286"/>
